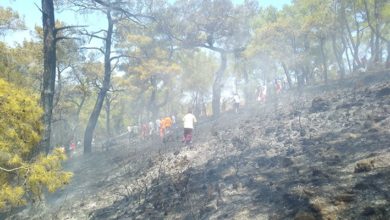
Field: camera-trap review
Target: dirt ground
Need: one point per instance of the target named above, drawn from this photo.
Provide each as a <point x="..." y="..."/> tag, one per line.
<point x="320" y="153"/>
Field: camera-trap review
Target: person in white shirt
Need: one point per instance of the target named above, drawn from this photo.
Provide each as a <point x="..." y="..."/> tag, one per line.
<point x="188" y="120"/>
<point x="173" y="119"/>
<point x="262" y="93"/>
<point x="158" y="124"/>
<point x="151" y="128"/>
<point x="236" y="99"/>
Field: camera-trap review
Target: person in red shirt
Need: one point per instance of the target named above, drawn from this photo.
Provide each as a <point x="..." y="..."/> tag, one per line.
<point x="278" y="87"/>
<point x="72" y="148"/>
<point x="145" y="130"/>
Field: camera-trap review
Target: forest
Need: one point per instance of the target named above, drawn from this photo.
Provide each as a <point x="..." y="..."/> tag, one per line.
<point x="147" y="59"/>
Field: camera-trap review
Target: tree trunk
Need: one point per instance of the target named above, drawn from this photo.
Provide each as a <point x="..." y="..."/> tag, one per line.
<point x="57" y="94"/>
<point x="153" y="107"/>
<point x="247" y="93"/>
<point x="49" y="72"/>
<point x="308" y="78"/>
<point x="373" y="52"/>
<point x="287" y="73"/>
<point x="108" y="115"/>
<point x="119" y="119"/>
<point x="217" y="85"/>
<point x="375" y="37"/>
<point x="300" y="79"/>
<point x="346" y="54"/>
<point x="324" y="59"/>
<point x="354" y="45"/>
<point x="339" y="57"/>
<point x="77" y="118"/>
<point x="196" y="104"/>
<point x="378" y="54"/>
<point x="388" y="55"/>
<point x="88" y="135"/>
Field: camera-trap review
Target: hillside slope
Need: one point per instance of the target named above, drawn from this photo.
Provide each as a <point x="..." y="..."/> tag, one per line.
<point x="320" y="154"/>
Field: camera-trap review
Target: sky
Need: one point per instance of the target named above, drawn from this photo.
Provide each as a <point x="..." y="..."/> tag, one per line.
<point x="28" y="9"/>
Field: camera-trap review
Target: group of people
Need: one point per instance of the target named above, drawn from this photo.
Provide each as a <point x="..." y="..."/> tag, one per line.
<point x="261" y="90"/>
<point x="261" y="95"/>
<point x="162" y="127"/>
<point x="235" y="100"/>
<point x="146" y="130"/>
<point x="70" y="148"/>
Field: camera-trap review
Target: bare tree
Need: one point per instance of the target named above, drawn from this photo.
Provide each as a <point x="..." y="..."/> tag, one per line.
<point x="50" y="39"/>
<point x="114" y="11"/>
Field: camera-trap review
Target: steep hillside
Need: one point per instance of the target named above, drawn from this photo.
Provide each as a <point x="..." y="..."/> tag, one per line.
<point x="322" y="153"/>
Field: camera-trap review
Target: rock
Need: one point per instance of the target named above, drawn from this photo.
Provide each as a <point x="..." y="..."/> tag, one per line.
<point x="301" y="215"/>
<point x="302" y="132"/>
<point x="290" y="151"/>
<point x="319" y="176"/>
<point x="207" y="210"/>
<point x="307" y="142"/>
<point x="362" y="186"/>
<point x="368" y="124"/>
<point x="383" y="92"/>
<point x="375" y="212"/>
<point x="345" y="197"/>
<point x="332" y="117"/>
<point x="364" y="166"/>
<point x="319" y="105"/>
<point x="270" y="130"/>
<point x="286" y="162"/>
<point x="324" y="208"/>
<point x="334" y="160"/>
<point x="376" y="118"/>
<point x="239" y="143"/>
<point x="288" y="141"/>
<point x="281" y="138"/>
<point x="373" y="130"/>
<point x="368" y="211"/>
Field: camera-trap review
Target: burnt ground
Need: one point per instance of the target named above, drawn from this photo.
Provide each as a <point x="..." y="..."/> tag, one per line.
<point x="321" y="153"/>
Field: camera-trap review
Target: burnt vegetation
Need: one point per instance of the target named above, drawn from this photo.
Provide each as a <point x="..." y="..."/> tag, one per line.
<point x="255" y="165"/>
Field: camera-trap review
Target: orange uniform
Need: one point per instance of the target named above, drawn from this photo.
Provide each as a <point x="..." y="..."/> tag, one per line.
<point x="166" y="123"/>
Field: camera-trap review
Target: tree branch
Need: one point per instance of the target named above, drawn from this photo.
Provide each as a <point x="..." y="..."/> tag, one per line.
<point x="122" y="56"/>
<point x="114" y="66"/>
<point x="93" y="34"/>
<point x="69" y="27"/>
<point x="13" y="169"/>
<point x="92" y="48"/>
<point x="132" y="17"/>
<point x="74" y="102"/>
<point x="66" y="38"/>
<point x="40" y="9"/>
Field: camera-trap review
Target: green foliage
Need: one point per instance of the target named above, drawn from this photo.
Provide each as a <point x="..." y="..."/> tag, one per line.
<point x="46" y="171"/>
<point x="22" y="176"/>
<point x="9" y="20"/>
<point x="198" y="71"/>
<point x="22" y="64"/>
